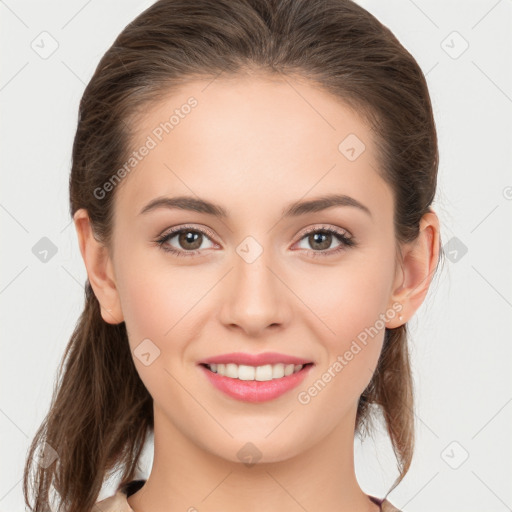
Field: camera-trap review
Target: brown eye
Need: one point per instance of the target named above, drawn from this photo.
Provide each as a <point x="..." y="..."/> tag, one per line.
<point x="188" y="241"/>
<point x="320" y="240"/>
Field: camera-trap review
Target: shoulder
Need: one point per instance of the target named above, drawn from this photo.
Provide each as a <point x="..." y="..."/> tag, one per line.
<point x="114" y="503"/>
<point x="386" y="506"/>
<point x="118" y="502"/>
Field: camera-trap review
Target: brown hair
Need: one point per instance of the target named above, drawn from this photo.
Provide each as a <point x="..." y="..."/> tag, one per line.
<point x="101" y="413"/>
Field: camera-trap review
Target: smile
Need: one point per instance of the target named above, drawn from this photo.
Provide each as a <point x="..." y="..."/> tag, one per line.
<point x="259" y="373"/>
<point x="255" y="383"/>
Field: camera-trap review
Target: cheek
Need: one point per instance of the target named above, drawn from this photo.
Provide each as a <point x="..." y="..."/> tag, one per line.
<point x="350" y="305"/>
<point x="155" y="298"/>
<point x="148" y="308"/>
<point x="155" y="303"/>
<point x="352" y="346"/>
<point x="348" y="299"/>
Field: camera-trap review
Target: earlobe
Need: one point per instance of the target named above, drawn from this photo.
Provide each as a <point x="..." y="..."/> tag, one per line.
<point x="99" y="269"/>
<point x="416" y="270"/>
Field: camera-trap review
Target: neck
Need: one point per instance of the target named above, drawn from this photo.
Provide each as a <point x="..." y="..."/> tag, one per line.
<point x="186" y="477"/>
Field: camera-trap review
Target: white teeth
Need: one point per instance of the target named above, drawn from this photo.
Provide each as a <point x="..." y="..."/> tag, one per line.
<point x="242" y="372"/>
<point x="231" y="370"/>
<point x="278" y="371"/>
<point x="260" y="373"/>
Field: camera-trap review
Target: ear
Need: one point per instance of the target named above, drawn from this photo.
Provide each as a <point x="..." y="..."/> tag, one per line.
<point x="416" y="269"/>
<point x="99" y="269"/>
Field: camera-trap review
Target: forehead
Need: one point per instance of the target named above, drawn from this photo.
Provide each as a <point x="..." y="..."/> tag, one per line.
<point x="251" y="141"/>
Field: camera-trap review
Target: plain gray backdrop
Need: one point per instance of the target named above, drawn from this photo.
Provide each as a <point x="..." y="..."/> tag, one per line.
<point x="461" y="336"/>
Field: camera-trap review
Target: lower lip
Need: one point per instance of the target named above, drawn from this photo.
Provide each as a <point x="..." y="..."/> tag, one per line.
<point x="254" y="390"/>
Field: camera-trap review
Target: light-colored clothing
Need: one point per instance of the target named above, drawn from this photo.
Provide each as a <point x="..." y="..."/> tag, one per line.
<point x="119" y="503"/>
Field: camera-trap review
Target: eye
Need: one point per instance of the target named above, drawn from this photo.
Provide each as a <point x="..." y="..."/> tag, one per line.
<point x="321" y="239"/>
<point x="189" y="240"/>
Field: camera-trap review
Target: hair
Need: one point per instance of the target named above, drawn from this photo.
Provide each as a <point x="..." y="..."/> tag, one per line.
<point x="101" y="413"/>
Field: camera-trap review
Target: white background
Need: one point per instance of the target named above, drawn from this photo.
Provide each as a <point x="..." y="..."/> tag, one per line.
<point x="461" y="336"/>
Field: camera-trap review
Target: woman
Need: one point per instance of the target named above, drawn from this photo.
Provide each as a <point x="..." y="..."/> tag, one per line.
<point x="251" y="187"/>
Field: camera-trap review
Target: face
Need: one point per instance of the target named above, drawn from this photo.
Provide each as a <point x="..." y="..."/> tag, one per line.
<point x="314" y="283"/>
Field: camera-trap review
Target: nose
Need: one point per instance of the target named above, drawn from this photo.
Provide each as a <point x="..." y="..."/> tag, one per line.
<point x="254" y="297"/>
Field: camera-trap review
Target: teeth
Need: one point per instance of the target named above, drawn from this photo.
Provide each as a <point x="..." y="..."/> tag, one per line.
<point x="261" y="373"/>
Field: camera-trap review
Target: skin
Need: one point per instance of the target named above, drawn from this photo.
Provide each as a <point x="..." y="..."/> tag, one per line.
<point x="255" y="145"/>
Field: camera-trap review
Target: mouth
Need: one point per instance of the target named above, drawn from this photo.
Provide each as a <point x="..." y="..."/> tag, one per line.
<point x="255" y="383"/>
<point x="263" y="373"/>
<point x="261" y="359"/>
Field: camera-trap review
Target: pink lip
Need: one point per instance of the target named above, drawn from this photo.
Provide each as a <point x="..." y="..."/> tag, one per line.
<point x="253" y="390"/>
<point x="255" y="359"/>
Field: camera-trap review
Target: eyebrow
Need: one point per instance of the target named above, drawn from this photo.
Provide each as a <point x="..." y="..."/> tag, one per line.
<point x="293" y="210"/>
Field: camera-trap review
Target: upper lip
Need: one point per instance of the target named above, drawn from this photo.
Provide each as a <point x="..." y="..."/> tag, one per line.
<point x="255" y="359"/>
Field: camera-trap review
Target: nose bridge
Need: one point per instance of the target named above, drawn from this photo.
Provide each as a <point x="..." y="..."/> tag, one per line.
<point x="255" y="299"/>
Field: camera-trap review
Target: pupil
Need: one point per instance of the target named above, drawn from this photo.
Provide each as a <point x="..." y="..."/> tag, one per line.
<point x="190" y="237"/>
<point x="323" y="245"/>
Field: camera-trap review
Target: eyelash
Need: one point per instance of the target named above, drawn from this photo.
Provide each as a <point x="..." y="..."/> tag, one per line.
<point x="346" y="242"/>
